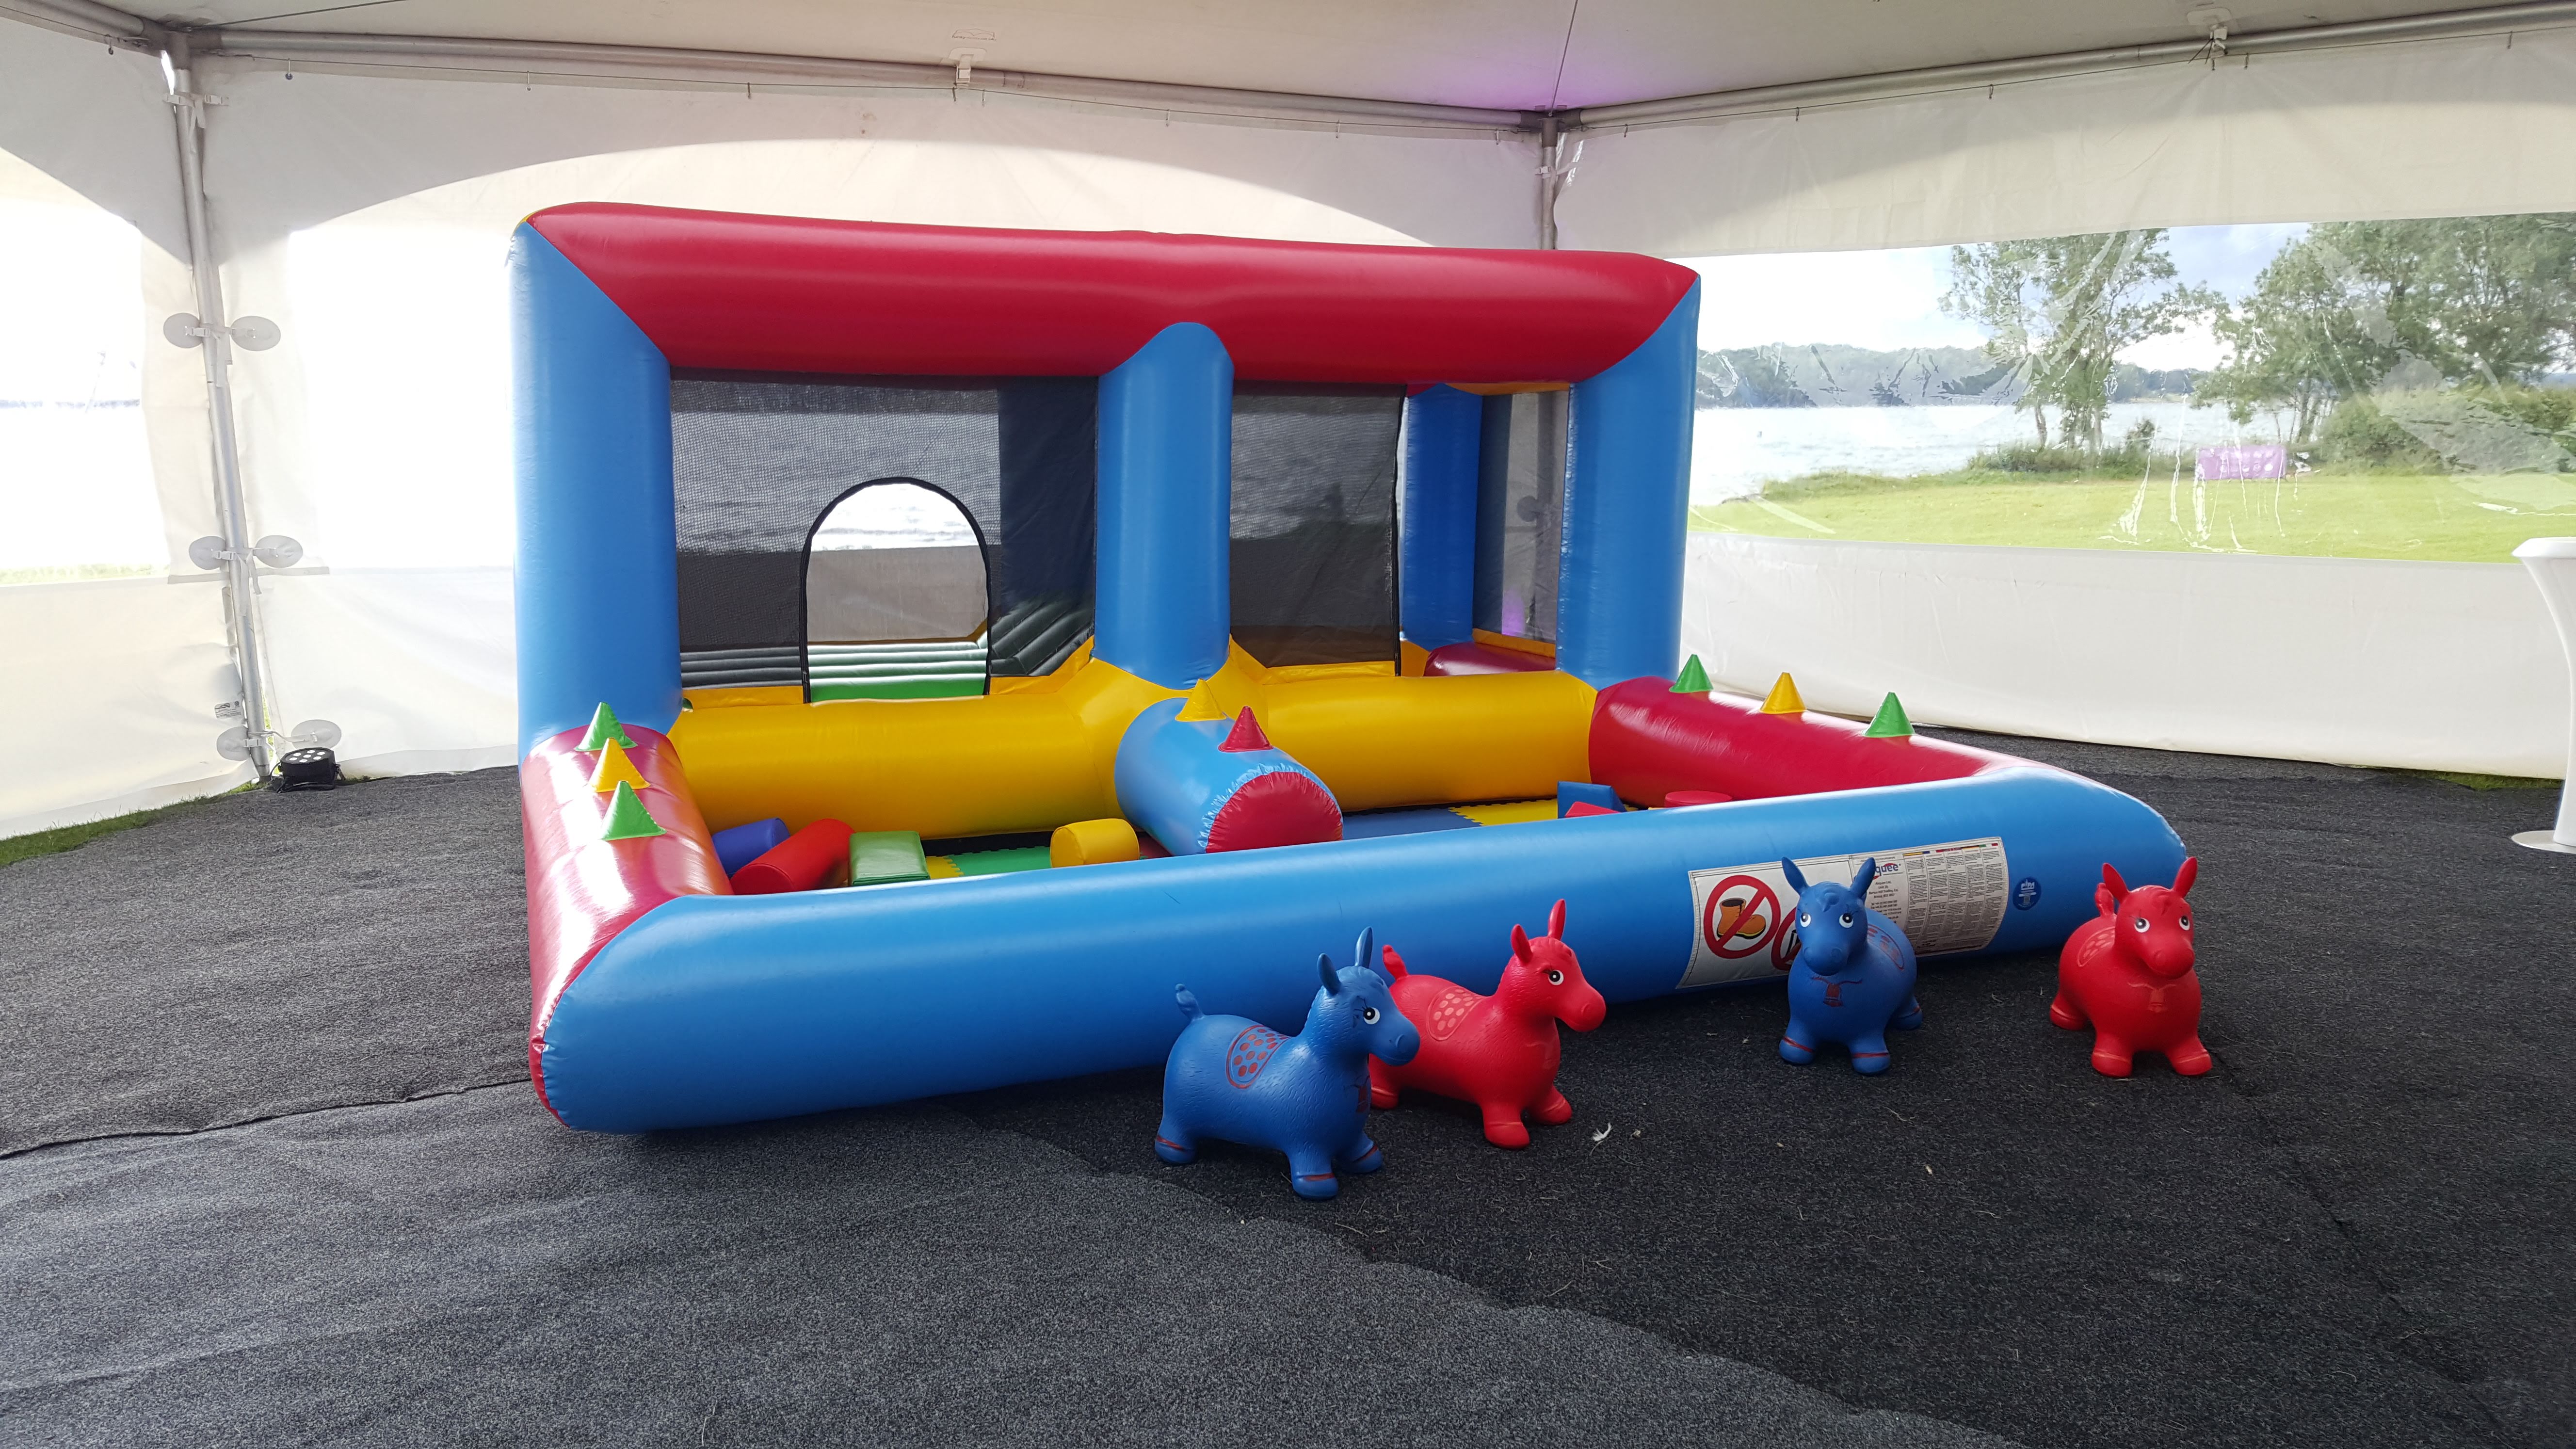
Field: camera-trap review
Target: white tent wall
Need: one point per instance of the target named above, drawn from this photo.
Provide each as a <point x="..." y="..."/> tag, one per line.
<point x="94" y="120"/>
<point x="2459" y="127"/>
<point x="368" y="215"/>
<point x="118" y="679"/>
<point x="2175" y="651"/>
<point x="289" y="153"/>
<point x="2394" y="663"/>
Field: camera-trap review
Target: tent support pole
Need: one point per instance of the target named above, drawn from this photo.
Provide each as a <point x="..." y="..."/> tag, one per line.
<point x="1549" y="138"/>
<point x="241" y="568"/>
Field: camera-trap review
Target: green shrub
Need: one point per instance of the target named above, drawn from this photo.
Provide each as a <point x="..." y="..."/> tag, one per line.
<point x="2453" y="430"/>
<point x="2357" y="433"/>
<point x="2132" y="453"/>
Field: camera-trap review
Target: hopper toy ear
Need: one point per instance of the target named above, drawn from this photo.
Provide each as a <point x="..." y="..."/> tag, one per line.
<point x="1332" y="983"/>
<point x="2111" y="878"/>
<point x="1868" y="873"/>
<point x="1797" y="877"/>
<point x="2183" y="878"/>
<point x="1556" y="921"/>
<point x="1520" y="942"/>
<point x="1362" y="953"/>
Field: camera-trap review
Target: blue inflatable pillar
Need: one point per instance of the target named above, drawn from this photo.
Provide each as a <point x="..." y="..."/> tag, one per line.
<point x="1166" y="493"/>
<point x="1627" y="504"/>
<point x="1436" y="564"/>
<point x="598" y="572"/>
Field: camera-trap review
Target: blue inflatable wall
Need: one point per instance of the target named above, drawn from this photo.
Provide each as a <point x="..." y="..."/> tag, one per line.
<point x="1627" y="509"/>
<point x="726" y="1009"/>
<point x="598" y="593"/>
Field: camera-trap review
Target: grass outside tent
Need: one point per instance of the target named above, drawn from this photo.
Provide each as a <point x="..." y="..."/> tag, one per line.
<point x="2457" y="518"/>
<point x="70" y="837"/>
<point x="16" y="848"/>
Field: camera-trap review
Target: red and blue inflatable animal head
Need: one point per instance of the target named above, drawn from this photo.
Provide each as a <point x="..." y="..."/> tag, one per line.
<point x="1833" y="918"/>
<point x="1545" y="980"/>
<point x="2154" y="927"/>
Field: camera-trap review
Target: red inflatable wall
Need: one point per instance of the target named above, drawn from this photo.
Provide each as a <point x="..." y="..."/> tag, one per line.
<point x="794" y="294"/>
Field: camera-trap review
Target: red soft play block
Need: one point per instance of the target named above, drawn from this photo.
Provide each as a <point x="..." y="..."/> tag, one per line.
<point x="816" y="856"/>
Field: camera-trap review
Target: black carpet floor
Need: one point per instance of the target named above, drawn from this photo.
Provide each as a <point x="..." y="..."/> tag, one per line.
<point x="260" y="954"/>
<point x="2360" y="1230"/>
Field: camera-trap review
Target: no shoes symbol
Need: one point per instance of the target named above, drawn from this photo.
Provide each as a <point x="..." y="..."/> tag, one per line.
<point x="1742" y="917"/>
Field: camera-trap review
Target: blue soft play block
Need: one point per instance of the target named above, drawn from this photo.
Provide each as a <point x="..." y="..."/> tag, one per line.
<point x="1570" y="792"/>
<point x="744" y="844"/>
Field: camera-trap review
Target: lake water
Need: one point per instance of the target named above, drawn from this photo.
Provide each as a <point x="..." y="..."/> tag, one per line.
<point x="1737" y="450"/>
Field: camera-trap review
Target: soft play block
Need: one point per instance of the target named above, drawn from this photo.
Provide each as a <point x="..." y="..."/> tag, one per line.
<point x="1092" y="842"/>
<point x="1572" y="792"/>
<point x="810" y="859"/>
<point x="880" y="857"/>
<point x="744" y="844"/>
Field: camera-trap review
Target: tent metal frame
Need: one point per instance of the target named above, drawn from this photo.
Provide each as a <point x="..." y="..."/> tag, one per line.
<point x="480" y="56"/>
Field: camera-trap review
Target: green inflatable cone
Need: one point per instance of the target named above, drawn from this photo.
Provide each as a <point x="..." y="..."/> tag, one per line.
<point x="1693" y="680"/>
<point x="1890" y="723"/>
<point x="603" y="728"/>
<point x="627" y="817"/>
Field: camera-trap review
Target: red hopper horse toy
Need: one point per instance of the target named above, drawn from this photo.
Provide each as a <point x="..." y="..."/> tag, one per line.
<point x="2127" y="974"/>
<point x="1500" y="1051"/>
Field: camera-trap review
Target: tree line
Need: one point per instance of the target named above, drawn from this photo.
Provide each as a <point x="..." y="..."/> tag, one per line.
<point x="2348" y="311"/>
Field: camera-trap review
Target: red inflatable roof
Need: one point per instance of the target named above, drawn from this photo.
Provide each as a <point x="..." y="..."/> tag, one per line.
<point x="791" y="294"/>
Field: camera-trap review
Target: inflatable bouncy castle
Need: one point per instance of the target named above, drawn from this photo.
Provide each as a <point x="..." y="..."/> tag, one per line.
<point x="1114" y="610"/>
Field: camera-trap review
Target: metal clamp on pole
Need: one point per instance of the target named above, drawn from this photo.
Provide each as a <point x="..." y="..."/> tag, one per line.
<point x="250" y="334"/>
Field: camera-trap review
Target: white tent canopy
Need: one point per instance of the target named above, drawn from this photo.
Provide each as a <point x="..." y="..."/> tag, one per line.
<point x="362" y="164"/>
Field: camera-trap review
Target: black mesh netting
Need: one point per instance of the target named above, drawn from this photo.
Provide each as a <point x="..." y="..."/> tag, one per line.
<point x="758" y="459"/>
<point x="1313" y="556"/>
<point x="1520" y="513"/>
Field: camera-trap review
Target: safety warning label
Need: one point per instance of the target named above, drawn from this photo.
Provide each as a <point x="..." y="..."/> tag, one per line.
<point x="1943" y="897"/>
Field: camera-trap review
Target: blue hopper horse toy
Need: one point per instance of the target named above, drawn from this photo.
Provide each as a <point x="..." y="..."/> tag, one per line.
<point x="1854" y="973"/>
<point x="1307" y="1095"/>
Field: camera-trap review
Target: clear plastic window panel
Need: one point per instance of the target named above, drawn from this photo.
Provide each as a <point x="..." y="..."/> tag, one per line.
<point x="2361" y="389"/>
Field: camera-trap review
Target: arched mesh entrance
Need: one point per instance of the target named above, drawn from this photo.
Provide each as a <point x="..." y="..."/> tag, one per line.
<point x="897" y="597"/>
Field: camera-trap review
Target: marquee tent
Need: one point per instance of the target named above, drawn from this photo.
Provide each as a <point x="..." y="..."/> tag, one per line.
<point x="228" y="540"/>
